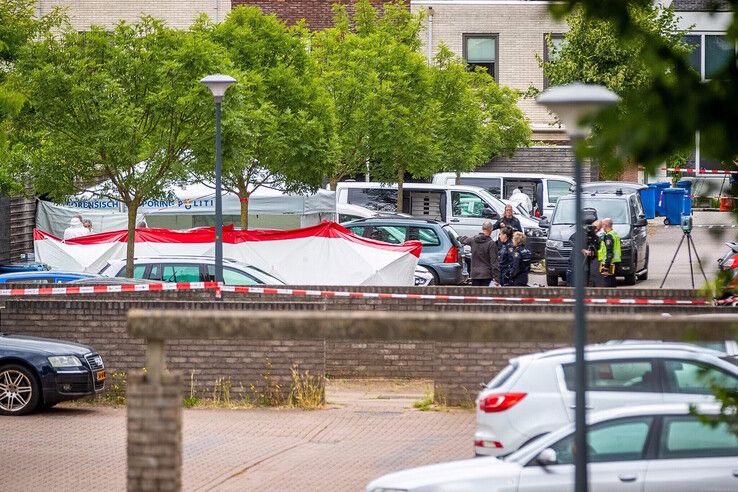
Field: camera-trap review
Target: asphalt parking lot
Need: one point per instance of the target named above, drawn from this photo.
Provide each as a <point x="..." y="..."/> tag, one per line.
<point x="664" y="241"/>
<point x="366" y="431"/>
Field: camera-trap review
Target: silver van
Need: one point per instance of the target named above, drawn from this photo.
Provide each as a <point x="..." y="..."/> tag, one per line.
<point x="544" y="190"/>
<point x="464" y="208"/>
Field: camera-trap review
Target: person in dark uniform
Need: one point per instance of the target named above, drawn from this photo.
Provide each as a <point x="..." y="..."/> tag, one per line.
<point x="609" y="253"/>
<point x="508" y="220"/>
<point x="588" y="256"/>
<point x="520" y="261"/>
<point x="505" y="248"/>
<point x="484" y="260"/>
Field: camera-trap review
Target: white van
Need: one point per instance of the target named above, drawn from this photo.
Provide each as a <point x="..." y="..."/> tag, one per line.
<point x="463" y="207"/>
<point x="543" y="189"/>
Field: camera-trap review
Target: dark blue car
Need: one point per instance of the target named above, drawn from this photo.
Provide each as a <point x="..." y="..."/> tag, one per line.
<point x="39" y="373"/>
<point x="44" y="277"/>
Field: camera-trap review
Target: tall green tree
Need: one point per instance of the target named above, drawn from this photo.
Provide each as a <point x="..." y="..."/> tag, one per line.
<point x="278" y="126"/>
<point x="18" y="26"/>
<point x="343" y="74"/>
<point x="673" y="103"/>
<point x="117" y="110"/>
<point x="389" y="122"/>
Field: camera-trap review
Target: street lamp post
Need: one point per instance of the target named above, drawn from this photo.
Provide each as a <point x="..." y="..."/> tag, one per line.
<point x="218" y="85"/>
<point x="573" y="104"/>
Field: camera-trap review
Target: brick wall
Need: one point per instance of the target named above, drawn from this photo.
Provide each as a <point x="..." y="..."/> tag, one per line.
<point x="548" y="160"/>
<point x="457" y="369"/>
<point x="318" y="14"/>
<point x="22" y="222"/>
<point x="4" y="229"/>
<point x="176" y="13"/>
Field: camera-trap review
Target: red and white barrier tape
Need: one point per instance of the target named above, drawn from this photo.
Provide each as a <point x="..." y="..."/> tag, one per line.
<point x="158" y="287"/>
<point x="695" y="171"/>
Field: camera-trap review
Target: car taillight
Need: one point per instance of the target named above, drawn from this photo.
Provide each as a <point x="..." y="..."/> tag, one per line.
<point x="734" y="262"/>
<point x="500" y="402"/>
<point x="452" y="256"/>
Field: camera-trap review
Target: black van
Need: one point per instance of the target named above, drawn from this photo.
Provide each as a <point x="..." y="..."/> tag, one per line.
<point x="629" y="221"/>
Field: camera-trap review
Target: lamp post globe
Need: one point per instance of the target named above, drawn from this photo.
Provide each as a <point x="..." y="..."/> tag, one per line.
<point x="218" y="85"/>
<point x="575" y="105"/>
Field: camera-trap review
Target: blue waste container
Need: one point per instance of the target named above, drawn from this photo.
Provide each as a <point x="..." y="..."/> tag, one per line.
<point x="660" y="187"/>
<point x="673" y="200"/>
<point x="648" y="197"/>
<point x="687" y="185"/>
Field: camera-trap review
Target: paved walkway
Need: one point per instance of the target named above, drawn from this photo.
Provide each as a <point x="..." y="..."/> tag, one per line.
<point x="368" y="430"/>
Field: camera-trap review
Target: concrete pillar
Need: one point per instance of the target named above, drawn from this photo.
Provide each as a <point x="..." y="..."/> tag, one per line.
<point x="154" y="432"/>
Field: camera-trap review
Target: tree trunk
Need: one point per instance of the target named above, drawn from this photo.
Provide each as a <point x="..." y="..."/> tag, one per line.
<point x="244" y="199"/>
<point x="400" y="192"/>
<point x="458" y="177"/>
<point x="131" y="242"/>
<point x="334" y="183"/>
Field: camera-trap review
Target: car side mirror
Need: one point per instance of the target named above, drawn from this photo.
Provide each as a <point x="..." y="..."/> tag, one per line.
<point x="547" y="457"/>
<point x="488" y="213"/>
<point x="642" y="221"/>
<point x="544" y="222"/>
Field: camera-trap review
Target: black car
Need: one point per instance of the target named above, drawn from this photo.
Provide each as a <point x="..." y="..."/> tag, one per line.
<point x="629" y="221"/>
<point x="39" y="373"/>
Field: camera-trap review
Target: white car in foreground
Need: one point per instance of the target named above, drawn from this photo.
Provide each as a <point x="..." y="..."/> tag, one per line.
<point x="659" y="448"/>
<point x="534" y="395"/>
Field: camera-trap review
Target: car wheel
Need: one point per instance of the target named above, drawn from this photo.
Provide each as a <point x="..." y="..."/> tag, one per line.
<point x="630" y="279"/>
<point x="19" y="391"/>
<point x="434" y="280"/>
<point x="552" y="280"/>
<point x="666" y="222"/>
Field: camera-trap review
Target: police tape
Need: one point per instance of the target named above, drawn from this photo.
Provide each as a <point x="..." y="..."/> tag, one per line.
<point x="696" y="171"/>
<point x="276" y="291"/>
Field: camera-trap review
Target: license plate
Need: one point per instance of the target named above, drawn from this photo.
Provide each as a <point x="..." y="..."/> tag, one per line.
<point x="101" y="376"/>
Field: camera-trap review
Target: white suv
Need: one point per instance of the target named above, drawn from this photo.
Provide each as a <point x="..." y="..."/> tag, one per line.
<point x="535" y="393"/>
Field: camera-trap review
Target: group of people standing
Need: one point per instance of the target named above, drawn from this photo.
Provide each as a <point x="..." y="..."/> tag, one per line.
<point x="600" y="255"/>
<point x="505" y="261"/>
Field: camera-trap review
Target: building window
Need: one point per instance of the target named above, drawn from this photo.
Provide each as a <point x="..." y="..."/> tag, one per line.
<point x="481" y="50"/>
<point x="551" y="53"/>
<point x="710" y="53"/>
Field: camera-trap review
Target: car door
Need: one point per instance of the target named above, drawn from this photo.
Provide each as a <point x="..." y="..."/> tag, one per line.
<point x="691" y="381"/>
<point x="613" y="383"/>
<point x="467" y="212"/>
<point x="616" y="459"/>
<point x="693" y="456"/>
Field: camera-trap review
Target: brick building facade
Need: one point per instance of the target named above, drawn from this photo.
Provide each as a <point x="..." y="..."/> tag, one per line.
<point x="318" y="14"/>
<point x="177" y="13"/>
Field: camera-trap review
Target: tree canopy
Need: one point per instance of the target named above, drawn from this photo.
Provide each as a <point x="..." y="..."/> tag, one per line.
<point x="592" y="51"/>
<point x="674" y="100"/>
<point x="115" y="110"/>
<point x="277" y="120"/>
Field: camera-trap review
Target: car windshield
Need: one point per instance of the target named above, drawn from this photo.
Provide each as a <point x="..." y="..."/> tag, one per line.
<point x="616" y="209"/>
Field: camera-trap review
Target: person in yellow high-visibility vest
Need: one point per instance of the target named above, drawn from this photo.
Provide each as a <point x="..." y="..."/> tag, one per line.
<point x="609" y="253"/>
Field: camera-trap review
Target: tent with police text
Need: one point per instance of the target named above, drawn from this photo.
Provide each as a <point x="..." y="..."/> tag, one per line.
<point x="325" y="254"/>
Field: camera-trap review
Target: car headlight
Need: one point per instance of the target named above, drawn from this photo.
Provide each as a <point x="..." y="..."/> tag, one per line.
<point x="535" y="232"/>
<point x="554" y="244"/>
<point x="64" y="361"/>
<point x="625" y="243"/>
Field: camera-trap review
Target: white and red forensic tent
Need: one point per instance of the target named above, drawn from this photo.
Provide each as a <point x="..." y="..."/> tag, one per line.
<point x="324" y="254"/>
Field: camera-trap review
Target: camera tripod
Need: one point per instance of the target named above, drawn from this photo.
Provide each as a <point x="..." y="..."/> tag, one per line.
<point x="690" y="247"/>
